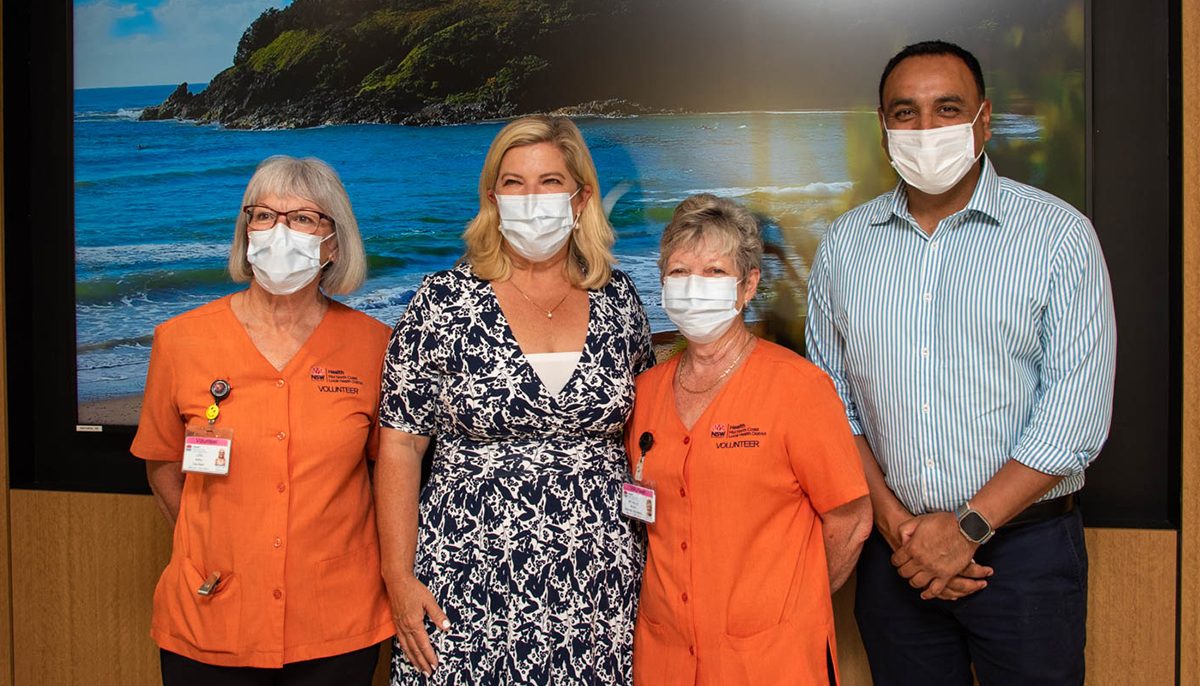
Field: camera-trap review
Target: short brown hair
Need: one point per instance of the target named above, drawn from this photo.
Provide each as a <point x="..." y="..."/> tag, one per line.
<point x="706" y="217"/>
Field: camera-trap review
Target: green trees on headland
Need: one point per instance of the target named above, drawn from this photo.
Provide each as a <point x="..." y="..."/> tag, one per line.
<point x="396" y="61"/>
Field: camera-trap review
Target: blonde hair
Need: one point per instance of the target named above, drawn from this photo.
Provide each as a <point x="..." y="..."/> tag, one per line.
<point x="590" y="259"/>
<point x="725" y="225"/>
<point x="314" y="180"/>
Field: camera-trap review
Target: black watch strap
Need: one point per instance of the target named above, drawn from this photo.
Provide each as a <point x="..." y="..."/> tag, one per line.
<point x="974" y="526"/>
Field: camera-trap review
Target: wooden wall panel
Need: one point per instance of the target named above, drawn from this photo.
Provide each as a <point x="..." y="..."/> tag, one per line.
<point x="1131" y="607"/>
<point x="85" y="565"/>
<point x="84" y="570"/>
<point x="1189" y="565"/>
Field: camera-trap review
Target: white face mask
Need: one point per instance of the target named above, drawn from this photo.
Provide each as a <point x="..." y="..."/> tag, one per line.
<point x="702" y="307"/>
<point x="933" y="160"/>
<point x="537" y="225"/>
<point x="283" y="260"/>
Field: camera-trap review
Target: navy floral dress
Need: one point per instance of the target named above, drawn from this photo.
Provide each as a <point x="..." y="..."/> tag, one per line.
<point x="520" y="539"/>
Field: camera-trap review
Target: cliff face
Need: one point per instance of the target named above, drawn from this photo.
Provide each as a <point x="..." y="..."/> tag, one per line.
<point x="406" y="62"/>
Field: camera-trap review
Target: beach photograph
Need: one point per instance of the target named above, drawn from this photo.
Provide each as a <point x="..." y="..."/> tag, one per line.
<point x="768" y="102"/>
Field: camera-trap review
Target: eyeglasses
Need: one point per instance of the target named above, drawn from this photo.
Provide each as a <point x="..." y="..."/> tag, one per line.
<point x="260" y="217"/>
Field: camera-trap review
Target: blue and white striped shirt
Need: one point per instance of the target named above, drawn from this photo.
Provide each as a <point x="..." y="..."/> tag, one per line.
<point x="992" y="339"/>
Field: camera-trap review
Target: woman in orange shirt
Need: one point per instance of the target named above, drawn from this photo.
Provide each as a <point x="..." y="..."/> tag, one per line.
<point x="257" y="421"/>
<point x="759" y="505"/>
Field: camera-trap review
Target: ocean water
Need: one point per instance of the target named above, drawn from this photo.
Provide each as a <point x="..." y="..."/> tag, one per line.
<point x="156" y="202"/>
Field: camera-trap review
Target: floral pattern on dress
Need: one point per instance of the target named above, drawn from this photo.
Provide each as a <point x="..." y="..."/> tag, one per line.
<point x="520" y="537"/>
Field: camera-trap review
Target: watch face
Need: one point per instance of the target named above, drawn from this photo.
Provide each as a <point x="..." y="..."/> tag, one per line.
<point x="974" y="526"/>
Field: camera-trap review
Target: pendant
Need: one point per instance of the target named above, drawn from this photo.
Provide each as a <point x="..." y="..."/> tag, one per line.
<point x="549" y="315"/>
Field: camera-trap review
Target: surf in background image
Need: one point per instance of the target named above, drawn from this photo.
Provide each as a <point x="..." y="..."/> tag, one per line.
<point x="770" y="103"/>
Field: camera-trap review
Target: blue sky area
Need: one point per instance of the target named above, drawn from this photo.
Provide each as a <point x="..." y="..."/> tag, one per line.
<point x="152" y="42"/>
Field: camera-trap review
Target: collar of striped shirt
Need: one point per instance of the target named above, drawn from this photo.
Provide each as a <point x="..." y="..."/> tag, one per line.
<point x="985" y="200"/>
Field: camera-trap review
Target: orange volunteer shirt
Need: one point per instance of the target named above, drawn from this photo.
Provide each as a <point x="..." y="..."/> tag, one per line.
<point x="736" y="588"/>
<point x="291" y="528"/>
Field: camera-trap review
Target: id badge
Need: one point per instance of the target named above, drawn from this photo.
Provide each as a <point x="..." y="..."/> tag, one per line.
<point x="208" y="451"/>
<point x="637" y="502"/>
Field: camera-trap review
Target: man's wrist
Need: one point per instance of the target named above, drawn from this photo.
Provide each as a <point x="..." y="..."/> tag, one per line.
<point x="973" y="525"/>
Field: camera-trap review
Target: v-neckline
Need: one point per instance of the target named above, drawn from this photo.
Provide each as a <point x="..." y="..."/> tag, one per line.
<point x="511" y="336"/>
<point x="287" y="368"/>
<point x="734" y="377"/>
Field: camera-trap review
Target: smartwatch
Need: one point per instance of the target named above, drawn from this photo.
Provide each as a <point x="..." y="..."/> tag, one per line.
<point x="972" y="524"/>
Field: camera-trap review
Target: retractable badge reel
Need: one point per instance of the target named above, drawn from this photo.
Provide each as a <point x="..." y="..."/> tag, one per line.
<point x="208" y="449"/>
<point x="637" y="498"/>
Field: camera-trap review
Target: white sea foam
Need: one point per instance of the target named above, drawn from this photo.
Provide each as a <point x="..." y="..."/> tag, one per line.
<point x="147" y="254"/>
<point x="816" y="189"/>
<point x="1017" y="126"/>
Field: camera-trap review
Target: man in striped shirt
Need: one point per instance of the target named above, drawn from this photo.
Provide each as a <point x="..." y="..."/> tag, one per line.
<point x="967" y="323"/>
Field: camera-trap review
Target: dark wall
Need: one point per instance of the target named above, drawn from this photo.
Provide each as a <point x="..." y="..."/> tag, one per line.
<point x="1134" y="200"/>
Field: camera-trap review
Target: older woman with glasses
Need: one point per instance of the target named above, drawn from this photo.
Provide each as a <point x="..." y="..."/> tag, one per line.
<point x="759" y="503"/>
<point x="258" y="419"/>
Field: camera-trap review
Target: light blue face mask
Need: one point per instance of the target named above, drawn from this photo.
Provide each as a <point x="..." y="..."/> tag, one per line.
<point x="537" y="225"/>
<point x="933" y="160"/>
<point x="284" y="260"/>
<point x="701" y="307"/>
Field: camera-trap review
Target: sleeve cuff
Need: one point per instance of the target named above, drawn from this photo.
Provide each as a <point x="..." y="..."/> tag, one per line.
<point x="406" y="427"/>
<point x="1050" y="459"/>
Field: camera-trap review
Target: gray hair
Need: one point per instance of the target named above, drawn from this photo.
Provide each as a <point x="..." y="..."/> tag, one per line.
<point x="314" y="180"/>
<point x="725" y="225"/>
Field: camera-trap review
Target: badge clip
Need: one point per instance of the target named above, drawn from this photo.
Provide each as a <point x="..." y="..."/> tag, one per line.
<point x="210" y="584"/>
<point x="220" y="390"/>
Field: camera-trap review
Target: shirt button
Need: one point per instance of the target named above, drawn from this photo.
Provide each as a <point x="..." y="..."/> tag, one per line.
<point x="682" y="493"/>
<point x="929" y="462"/>
<point x="277" y="593"/>
<point x="925" y="408"/>
<point x="924" y="352"/>
<point x="281" y="487"/>
<point x="684" y="597"/>
<point x="683" y="546"/>
<point x="278" y="542"/>
<point x="928" y="297"/>
<point x="687" y="439"/>
<point x="279" y="383"/>
<point x="933" y="244"/>
<point x="692" y="650"/>
<point x="281" y="435"/>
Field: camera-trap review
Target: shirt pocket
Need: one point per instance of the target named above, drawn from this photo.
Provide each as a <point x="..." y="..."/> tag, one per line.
<point x="786" y="654"/>
<point x="350" y="594"/>
<point x="210" y="623"/>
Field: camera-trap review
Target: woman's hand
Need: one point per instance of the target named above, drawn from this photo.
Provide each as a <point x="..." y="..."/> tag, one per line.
<point x="411" y="603"/>
<point x="397" y="480"/>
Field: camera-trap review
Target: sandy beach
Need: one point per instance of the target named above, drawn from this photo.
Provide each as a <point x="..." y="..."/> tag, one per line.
<point x="122" y="411"/>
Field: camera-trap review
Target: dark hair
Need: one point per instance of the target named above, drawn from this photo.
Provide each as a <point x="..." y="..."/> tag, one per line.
<point x="934" y="47"/>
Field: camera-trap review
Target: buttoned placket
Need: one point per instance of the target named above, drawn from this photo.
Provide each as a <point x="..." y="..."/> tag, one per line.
<point x="928" y="304"/>
<point x="277" y="544"/>
<point x="685" y="496"/>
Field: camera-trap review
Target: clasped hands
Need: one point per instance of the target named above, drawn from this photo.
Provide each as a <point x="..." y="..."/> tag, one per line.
<point x="932" y="553"/>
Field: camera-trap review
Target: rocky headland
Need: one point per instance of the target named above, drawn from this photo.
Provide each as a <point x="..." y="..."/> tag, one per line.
<point x="418" y="62"/>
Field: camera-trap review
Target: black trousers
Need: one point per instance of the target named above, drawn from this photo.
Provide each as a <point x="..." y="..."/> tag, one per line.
<point x="352" y="669"/>
<point x="1025" y="629"/>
